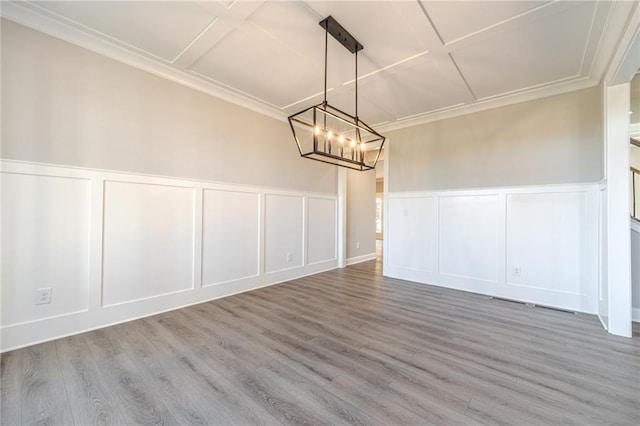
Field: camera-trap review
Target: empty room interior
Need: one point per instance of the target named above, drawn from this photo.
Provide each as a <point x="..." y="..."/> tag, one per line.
<point x="320" y="212"/>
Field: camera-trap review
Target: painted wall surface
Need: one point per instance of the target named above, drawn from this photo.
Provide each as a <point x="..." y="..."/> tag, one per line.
<point x="634" y="156"/>
<point x="62" y="104"/>
<point x="361" y="214"/>
<point x="634" y="117"/>
<point x="117" y="246"/>
<point x="554" y="140"/>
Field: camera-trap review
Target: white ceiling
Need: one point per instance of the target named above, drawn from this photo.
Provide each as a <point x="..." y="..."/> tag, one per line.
<point x="421" y="60"/>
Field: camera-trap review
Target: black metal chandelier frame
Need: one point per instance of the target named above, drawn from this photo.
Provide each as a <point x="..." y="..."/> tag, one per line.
<point x="354" y="154"/>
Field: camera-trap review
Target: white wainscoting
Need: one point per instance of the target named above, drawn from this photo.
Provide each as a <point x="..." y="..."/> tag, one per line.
<point x="534" y="244"/>
<point x="321" y="227"/>
<point x="231" y="230"/>
<point x="45" y="237"/>
<point x="118" y="246"/>
<point x="635" y="270"/>
<point x="148" y="241"/>
<point x="284" y="229"/>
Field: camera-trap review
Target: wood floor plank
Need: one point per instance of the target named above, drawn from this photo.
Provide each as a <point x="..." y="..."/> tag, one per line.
<point x="93" y="402"/>
<point x="43" y="390"/>
<point x="63" y="418"/>
<point x="206" y="376"/>
<point x="139" y="402"/>
<point x="347" y="346"/>
<point x="11" y="387"/>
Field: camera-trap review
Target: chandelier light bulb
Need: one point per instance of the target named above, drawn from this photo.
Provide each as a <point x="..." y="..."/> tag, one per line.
<point x="330" y="134"/>
<point x="317" y="130"/>
<point x="341" y="139"/>
<point x="353" y="143"/>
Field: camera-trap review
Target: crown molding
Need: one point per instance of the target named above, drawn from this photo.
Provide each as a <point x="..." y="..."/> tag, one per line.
<point x="30" y="16"/>
<point x="21" y="13"/>
<point x="537" y="92"/>
<point x="625" y="60"/>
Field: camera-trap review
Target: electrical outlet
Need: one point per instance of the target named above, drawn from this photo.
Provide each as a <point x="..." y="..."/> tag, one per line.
<point x="516" y="271"/>
<point x="357" y="245"/>
<point x="289" y="257"/>
<point x="43" y="296"/>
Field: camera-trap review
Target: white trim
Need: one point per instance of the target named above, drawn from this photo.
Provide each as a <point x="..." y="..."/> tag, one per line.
<point x="35" y="330"/>
<point x="524" y="95"/>
<point x="583" y="300"/>
<point x="635" y="225"/>
<point x="385" y="217"/>
<point x="616" y="105"/>
<point x="635" y="313"/>
<point x="529" y="189"/>
<point x="624" y="63"/>
<point x="76" y="318"/>
<point x="360" y="259"/>
<point x="48" y="169"/>
<point x="341" y="222"/>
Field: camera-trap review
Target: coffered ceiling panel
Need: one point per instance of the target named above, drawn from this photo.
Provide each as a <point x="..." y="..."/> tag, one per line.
<point x="371" y="112"/>
<point x="428" y="83"/>
<point x="390" y="31"/>
<point x="246" y="62"/>
<point x="290" y="24"/>
<point x="422" y="59"/>
<point x="161" y="29"/>
<point x="529" y="57"/>
<point x="456" y="19"/>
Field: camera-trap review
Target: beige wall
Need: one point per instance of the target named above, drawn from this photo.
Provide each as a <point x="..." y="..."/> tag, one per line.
<point x="62" y="104"/>
<point x="361" y="213"/>
<point x="545" y="141"/>
<point x="634" y="156"/>
<point x="635" y="99"/>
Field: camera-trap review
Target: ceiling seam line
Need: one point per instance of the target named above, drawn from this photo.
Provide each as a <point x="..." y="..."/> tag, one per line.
<point x="589" y="39"/>
<point x="426" y="14"/>
<point x="605" y="26"/>
<point x="466" y="83"/>
<point x="500" y="23"/>
<point x="198" y="37"/>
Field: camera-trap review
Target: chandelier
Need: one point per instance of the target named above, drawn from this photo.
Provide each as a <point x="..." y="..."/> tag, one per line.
<point x="327" y="134"/>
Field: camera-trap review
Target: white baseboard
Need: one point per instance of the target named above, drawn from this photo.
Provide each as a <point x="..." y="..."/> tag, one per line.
<point x="360" y="259"/>
<point x="635" y="314"/>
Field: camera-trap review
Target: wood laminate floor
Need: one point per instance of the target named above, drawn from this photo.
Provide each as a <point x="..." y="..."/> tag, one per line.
<point x="342" y="347"/>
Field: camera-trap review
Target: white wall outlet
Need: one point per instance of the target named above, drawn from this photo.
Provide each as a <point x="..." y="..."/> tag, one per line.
<point x="357" y="245"/>
<point x="289" y="257"/>
<point x="43" y="296"/>
<point x="516" y="271"/>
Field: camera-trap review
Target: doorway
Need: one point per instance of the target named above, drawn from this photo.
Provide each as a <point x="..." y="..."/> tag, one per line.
<point x="380" y="203"/>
